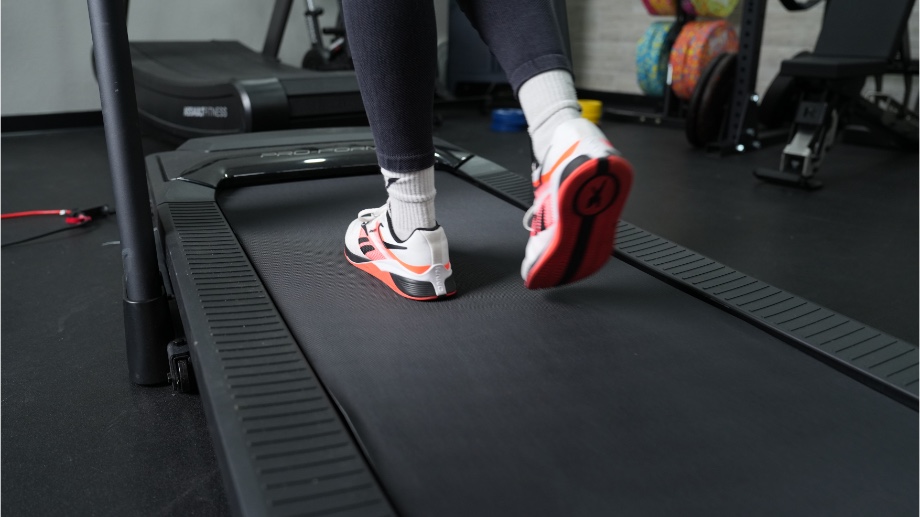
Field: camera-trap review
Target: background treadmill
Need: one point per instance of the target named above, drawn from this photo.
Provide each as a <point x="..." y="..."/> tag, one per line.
<point x="187" y="89"/>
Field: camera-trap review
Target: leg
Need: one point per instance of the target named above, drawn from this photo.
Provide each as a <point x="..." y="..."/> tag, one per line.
<point x="580" y="181"/>
<point x="394" y="48"/>
<point x="539" y="71"/>
<point x="393" y="45"/>
<point x="522" y="34"/>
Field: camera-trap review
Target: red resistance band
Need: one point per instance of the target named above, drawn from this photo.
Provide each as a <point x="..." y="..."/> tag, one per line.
<point x="70" y="216"/>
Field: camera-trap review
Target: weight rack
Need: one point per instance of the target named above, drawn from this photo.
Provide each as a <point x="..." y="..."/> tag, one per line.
<point x="669" y="110"/>
<point x="742" y="133"/>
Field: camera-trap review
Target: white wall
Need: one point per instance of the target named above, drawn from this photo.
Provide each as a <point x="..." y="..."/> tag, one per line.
<point x="46" y="45"/>
<point x="45" y="57"/>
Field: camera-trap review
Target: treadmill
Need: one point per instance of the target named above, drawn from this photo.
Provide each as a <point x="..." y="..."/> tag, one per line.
<point x="665" y="384"/>
<point x="188" y="89"/>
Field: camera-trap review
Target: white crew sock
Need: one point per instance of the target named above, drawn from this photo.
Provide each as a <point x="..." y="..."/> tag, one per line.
<point x="548" y="100"/>
<point x="411" y="201"/>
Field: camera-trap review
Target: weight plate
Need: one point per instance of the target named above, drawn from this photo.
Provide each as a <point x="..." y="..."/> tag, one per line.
<point x="652" y="59"/>
<point x="774" y="112"/>
<point x="660" y="7"/>
<point x="777" y="107"/>
<point x="698" y="44"/>
<point x="508" y="120"/>
<point x="709" y="106"/>
<point x="714" y="8"/>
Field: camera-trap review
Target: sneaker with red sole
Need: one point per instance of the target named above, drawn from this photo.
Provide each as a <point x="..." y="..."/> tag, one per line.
<point x="579" y="192"/>
<point x="417" y="268"/>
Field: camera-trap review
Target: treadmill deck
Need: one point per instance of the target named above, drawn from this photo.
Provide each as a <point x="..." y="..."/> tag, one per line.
<point x="617" y="395"/>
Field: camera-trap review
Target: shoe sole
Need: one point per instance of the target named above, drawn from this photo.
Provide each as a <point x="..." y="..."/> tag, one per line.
<point x="406" y="287"/>
<point x="591" y="198"/>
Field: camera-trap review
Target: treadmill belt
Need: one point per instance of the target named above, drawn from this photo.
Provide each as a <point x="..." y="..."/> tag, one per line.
<point x="619" y="395"/>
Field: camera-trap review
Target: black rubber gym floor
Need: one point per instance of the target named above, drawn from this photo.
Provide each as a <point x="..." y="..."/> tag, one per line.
<point x="79" y="439"/>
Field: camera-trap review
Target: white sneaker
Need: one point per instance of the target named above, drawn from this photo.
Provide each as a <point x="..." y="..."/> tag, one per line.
<point x="580" y="190"/>
<point x="417" y="268"/>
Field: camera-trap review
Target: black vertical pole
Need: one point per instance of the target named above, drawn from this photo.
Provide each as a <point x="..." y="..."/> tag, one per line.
<point x="276" y="26"/>
<point x="147" y="320"/>
<point x="742" y="101"/>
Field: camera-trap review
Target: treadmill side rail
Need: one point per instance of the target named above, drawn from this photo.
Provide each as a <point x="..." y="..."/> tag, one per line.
<point x="282" y="445"/>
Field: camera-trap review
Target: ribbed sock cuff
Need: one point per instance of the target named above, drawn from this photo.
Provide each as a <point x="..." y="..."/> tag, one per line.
<point x="411" y="200"/>
<point x="548" y="99"/>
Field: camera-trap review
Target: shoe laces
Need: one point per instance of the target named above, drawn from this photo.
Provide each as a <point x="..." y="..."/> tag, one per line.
<point x="532" y="211"/>
<point x="528" y="217"/>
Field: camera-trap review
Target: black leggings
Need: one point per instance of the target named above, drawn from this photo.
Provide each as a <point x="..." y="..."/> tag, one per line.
<point x="394" y="46"/>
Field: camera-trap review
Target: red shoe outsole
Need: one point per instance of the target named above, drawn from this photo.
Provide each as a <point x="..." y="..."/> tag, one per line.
<point x="591" y="199"/>
<point x="383" y="276"/>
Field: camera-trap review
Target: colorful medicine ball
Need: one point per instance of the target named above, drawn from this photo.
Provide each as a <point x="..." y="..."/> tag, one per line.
<point x="660" y="7"/>
<point x="696" y="46"/>
<point x="713" y="8"/>
<point x="652" y="59"/>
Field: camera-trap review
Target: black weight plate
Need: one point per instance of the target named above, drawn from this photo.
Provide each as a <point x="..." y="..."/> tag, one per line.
<point x="693" y="111"/>
<point x="774" y="107"/>
<point x="779" y="102"/>
<point x="709" y="104"/>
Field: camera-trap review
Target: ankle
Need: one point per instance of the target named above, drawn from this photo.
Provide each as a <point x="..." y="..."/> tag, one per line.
<point x="405" y="218"/>
<point x="548" y="100"/>
<point x="411" y="200"/>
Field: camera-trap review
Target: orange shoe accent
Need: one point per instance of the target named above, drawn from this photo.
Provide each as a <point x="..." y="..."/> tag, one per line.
<point x="568" y="152"/>
<point x="383" y="276"/>
<point x="447" y="266"/>
<point x="418" y="270"/>
<point x="550" y="270"/>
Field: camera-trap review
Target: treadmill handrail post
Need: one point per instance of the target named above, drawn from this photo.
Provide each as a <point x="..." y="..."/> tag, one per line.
<point x="147" y="321"/>
<point x="280" y="15"/>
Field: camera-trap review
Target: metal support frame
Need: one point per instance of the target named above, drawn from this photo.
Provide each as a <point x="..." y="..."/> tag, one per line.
<point x="146" y="310"/>
<point x="280" y="15"/>
<point x="315" y="32"/>
<point x="814" y="132"/>
<point x="820" y="119"/>
<point x="742" y="129"/>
